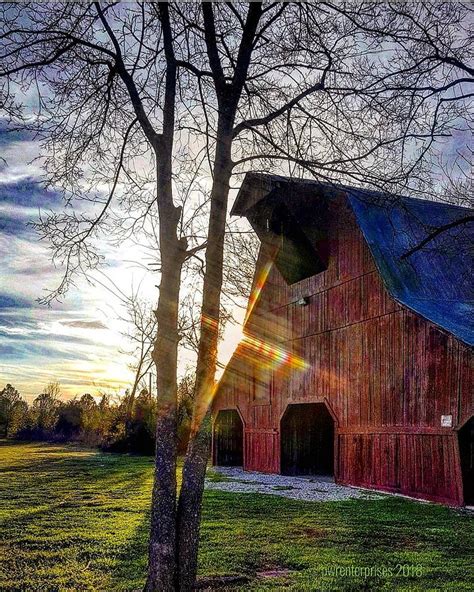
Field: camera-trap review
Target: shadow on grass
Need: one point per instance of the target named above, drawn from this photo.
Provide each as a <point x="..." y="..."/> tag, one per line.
<point x="130" y="566"/>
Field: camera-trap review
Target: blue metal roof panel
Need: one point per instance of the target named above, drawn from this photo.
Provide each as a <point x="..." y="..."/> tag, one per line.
<point x="436" y="281"/>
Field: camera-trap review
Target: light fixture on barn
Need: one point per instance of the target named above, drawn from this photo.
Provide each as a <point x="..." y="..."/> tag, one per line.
<point x="303" y="301"/>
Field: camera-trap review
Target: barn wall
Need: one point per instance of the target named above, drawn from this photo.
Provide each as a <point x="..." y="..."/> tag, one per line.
<point x="387" y="374"/>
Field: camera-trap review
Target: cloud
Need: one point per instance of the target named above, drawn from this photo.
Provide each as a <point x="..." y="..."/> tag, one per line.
<point x="85" y="324"/>
<point x="39" y="344"/>
<point x="61" y="342"/>
<point x="12" y="301"/>
<point x="20" y="205"/>
<point x="27" y="192"/>
<point x="18" y="350"/>
<point x="11" y="135"/>
<point x="18" y="161"/>
<point x="11" y="225"/>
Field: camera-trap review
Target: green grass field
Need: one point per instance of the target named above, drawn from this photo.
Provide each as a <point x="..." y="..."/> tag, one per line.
<point x="75" y="519"/>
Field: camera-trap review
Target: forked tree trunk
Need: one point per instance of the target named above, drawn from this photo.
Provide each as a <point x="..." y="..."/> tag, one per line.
<point x="197" y="456"/>
<point x="190" y="499"/>
<point x="162" y="552"/>
<point x="162" y="569"/>
<point x="178" y="531"/>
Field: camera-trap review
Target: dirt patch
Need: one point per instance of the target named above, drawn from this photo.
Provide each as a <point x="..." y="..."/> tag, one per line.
<point x="280" y="572"/>
<point x="217" y="582"/>
<point x="313" y="533"/>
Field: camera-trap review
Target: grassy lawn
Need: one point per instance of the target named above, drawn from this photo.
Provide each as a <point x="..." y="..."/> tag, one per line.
<point x="75" y="519"/>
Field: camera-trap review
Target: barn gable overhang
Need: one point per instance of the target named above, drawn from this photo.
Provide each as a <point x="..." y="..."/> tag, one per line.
<point x="295" y="231"/>
<point x="436" y="281"/>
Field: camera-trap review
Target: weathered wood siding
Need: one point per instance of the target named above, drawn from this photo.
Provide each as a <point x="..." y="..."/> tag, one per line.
<point x="386" y="374"/>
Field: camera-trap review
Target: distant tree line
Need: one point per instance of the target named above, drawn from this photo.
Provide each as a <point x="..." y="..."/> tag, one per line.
<point x="125" y="424"/>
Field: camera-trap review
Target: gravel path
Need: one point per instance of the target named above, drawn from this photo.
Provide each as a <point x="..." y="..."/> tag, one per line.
<point x="313" y="489"/>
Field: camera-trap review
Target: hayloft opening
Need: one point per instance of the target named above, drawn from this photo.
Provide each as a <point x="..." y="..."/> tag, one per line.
<point x="228" y="438"/>
<point x="466" y="452"/>
<point x="307" y="440"/>
<point x="296" y="259"/>
<point x="296" y="235"/>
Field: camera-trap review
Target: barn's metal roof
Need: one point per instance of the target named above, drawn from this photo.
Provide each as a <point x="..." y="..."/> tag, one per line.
<point x="436" y="281"/>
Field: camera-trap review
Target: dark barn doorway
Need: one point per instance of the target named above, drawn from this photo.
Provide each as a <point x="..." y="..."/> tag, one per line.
<point x="466" y="452"/>
<point x="228" y="439"/>
<point x="307" y="440"/>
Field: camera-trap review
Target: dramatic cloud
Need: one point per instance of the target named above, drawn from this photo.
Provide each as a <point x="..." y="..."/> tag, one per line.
<point x="85" y="324"/>
<point x="65" y="342"/>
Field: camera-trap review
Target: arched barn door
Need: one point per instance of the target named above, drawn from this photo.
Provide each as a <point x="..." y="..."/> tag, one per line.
<point x="228" y="439"/>
<point x="466" y="451"/>
<point x="307" y="440"/>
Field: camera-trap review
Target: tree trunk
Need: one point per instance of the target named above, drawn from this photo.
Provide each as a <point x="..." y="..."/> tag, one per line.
<point x="194" y="470"/>
<point x="162" y="550"/>
<point x="162" y="570"/>
<point x="190" y="500"/>
<point x="162" y="547"/>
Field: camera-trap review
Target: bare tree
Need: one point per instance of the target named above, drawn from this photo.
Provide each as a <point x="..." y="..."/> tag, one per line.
<point x="53" y="389"/>
<point x="142" y="327"/>
<point x="99" y="94"/>
<point x="355" y="92"/>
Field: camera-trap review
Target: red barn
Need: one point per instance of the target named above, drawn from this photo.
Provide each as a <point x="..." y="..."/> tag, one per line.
<point x="357" y="359"/>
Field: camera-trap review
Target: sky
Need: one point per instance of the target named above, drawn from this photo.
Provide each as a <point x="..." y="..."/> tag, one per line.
<point x="78" y="342"/>
<point x="73" y="342"/>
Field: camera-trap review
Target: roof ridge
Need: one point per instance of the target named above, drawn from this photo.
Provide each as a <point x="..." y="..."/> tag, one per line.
<point x="346" y="188"/>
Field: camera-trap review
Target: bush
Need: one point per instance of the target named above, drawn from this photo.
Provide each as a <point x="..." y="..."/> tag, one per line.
<point x="125" y="426"/>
